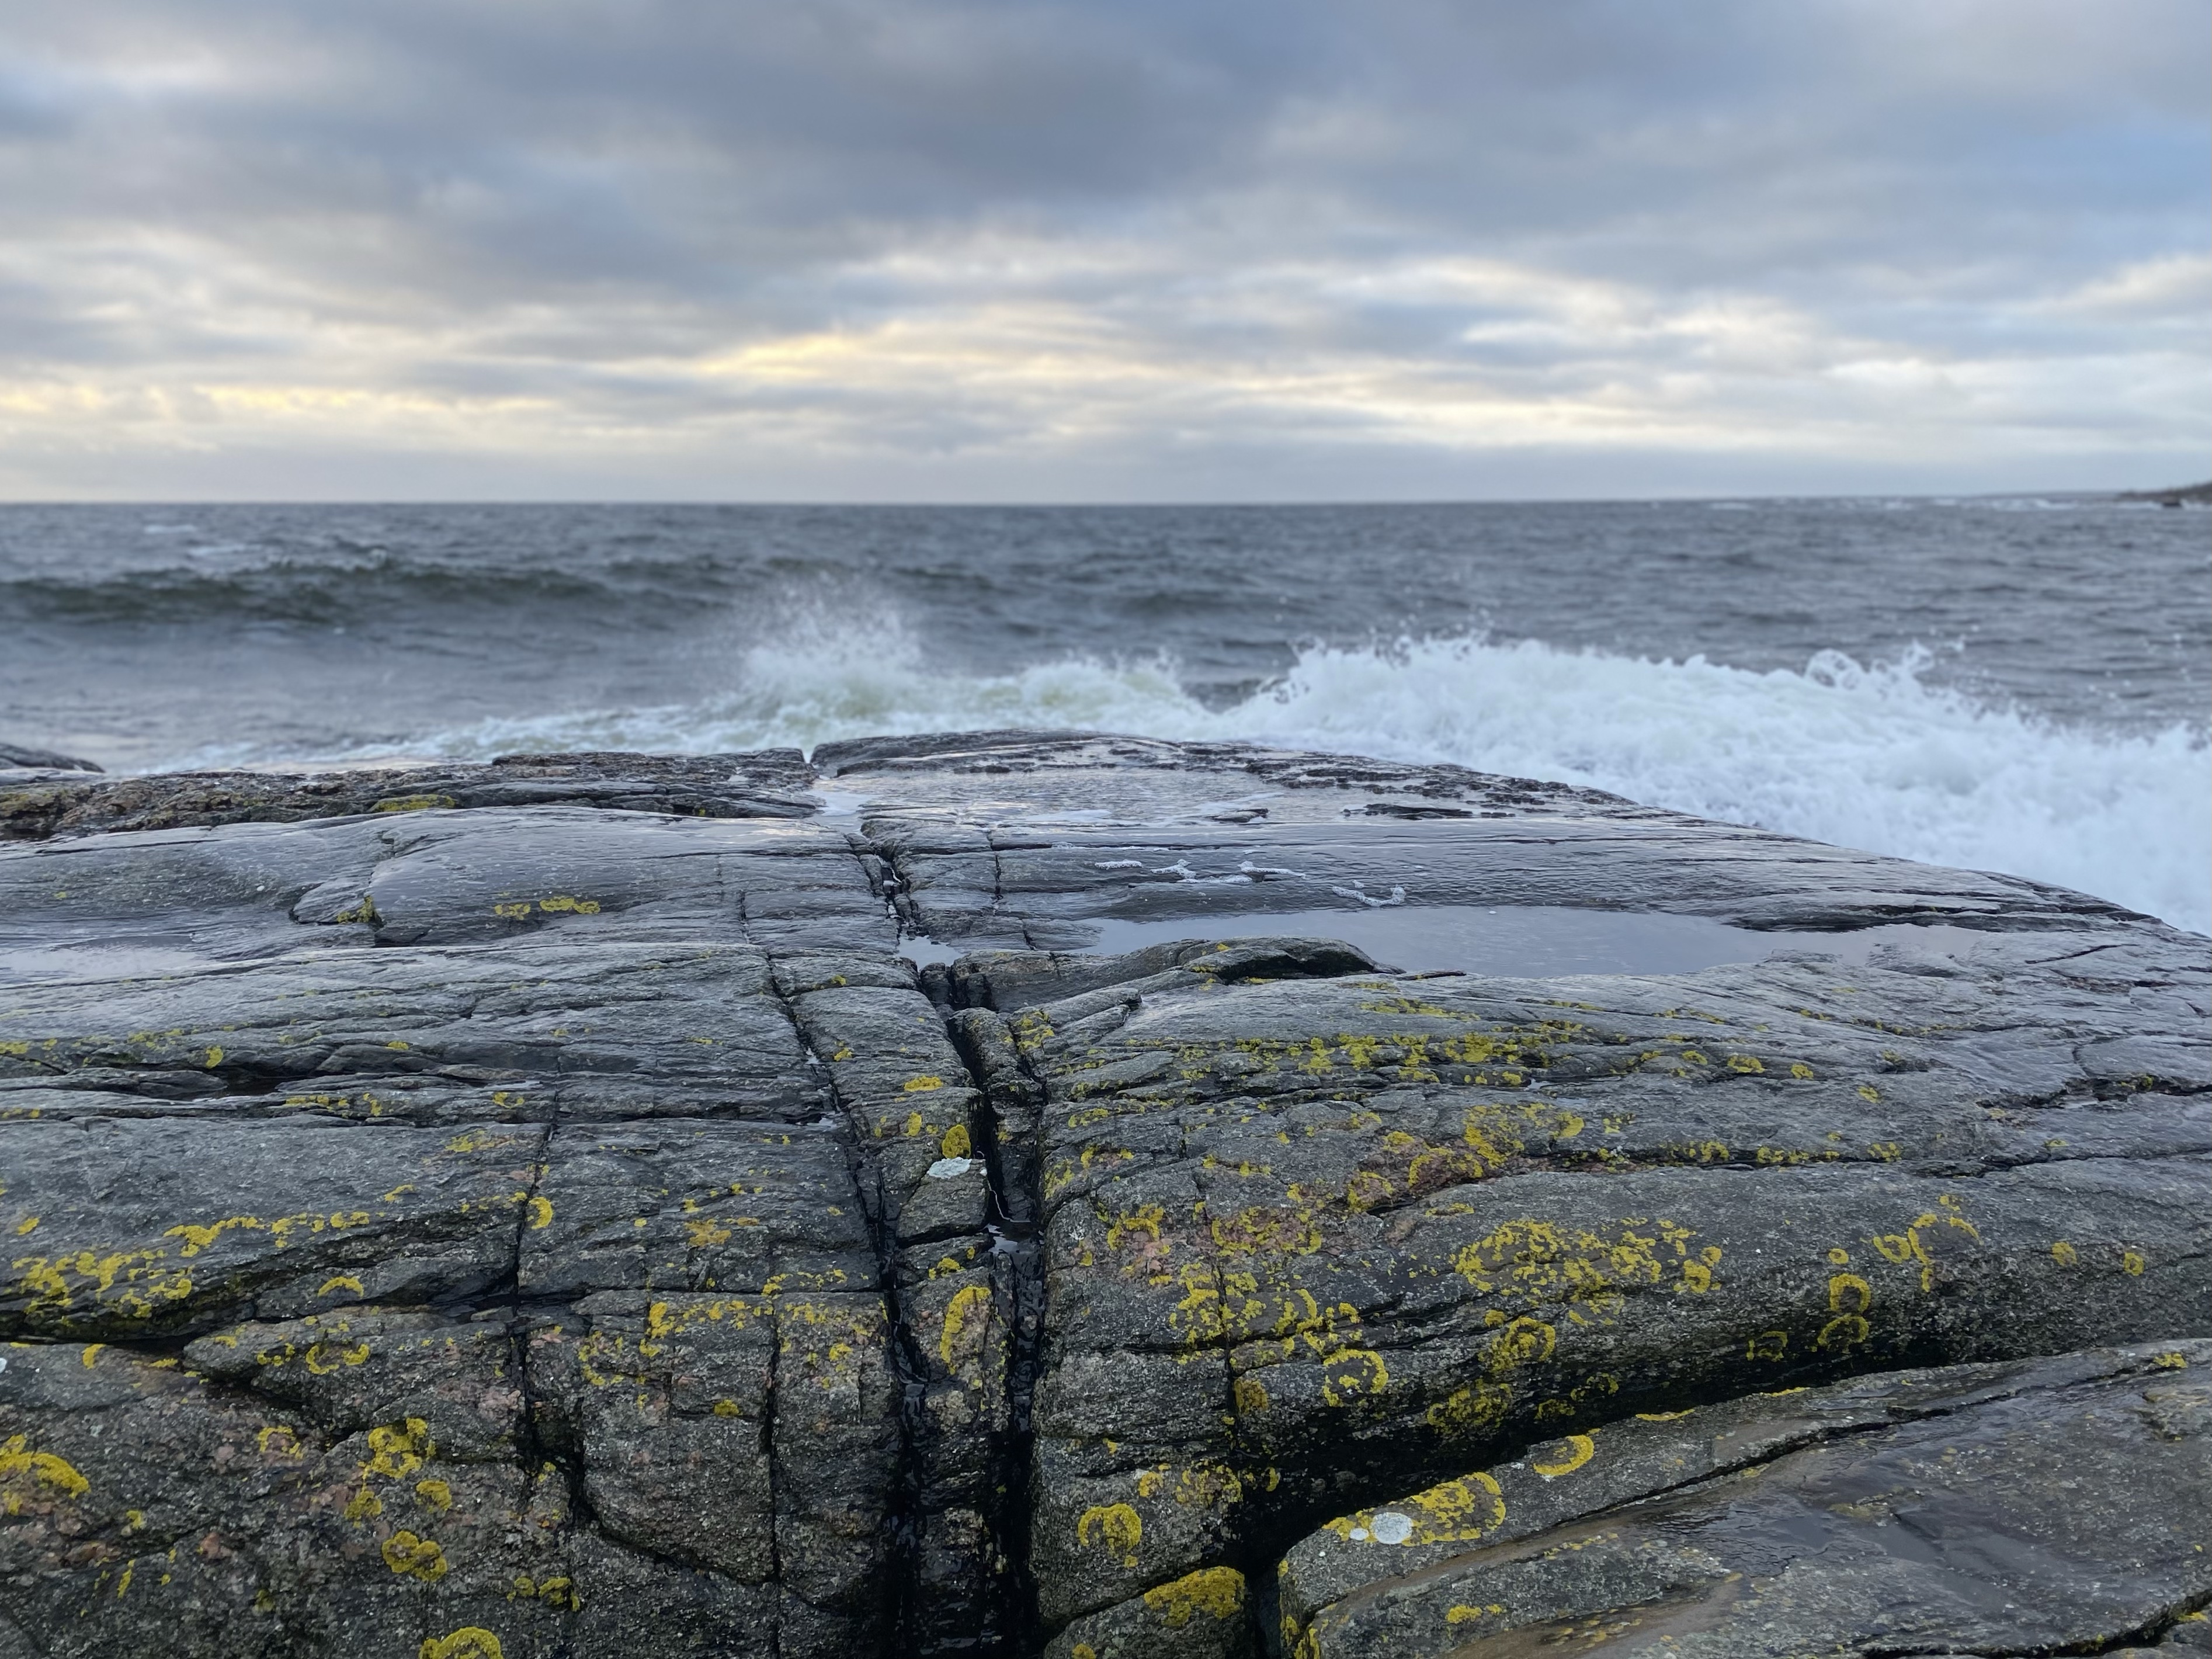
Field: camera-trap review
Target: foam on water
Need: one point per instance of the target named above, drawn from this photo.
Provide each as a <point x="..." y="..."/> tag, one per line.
<point x="1866" y="756"/>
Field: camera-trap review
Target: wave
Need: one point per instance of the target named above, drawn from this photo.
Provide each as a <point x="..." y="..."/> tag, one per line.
<point x="243" y="581"/>
<point x="1870" y="756"/>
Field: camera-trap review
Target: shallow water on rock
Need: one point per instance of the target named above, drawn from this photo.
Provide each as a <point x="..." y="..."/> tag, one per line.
<point x="1518" y="941"/>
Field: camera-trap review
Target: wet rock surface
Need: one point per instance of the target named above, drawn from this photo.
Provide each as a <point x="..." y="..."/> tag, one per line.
<point x="2043" y="1506"/>
<point x="598" y="1204"/>
<point x="44" y="800"/>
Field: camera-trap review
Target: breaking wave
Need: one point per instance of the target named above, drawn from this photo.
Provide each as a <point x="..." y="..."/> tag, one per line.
<point x="1870" y="756"/>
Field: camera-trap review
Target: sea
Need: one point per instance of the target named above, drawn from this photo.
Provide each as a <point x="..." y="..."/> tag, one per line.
<point x="2015" y="683"/>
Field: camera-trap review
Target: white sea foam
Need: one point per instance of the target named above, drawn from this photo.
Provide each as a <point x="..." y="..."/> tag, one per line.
<point x="1872" y="757"/>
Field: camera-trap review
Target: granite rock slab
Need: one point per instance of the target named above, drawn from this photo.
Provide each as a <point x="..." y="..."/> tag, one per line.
<point x="747" y="1204"/>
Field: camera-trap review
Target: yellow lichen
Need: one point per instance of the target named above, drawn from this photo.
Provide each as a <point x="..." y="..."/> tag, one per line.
<point x="966" y="1317"/>
<point x="411" y="1557"/>
<point x="396" y="1449"/>
<point x="1909" y="1247"/>
<point x="1120" y="1528"/>
<point x="1574" y="1451"/>
<point x="1477" y="1406"/>
<point x="1849" y="1298"/>
<point x="1455" y="1511"/>
<point x="42" y="1469"/>
<point x="1537" y="1261"/>
<point x="1216" y="1593"/>
<point x="1351" y="1375"/>
<point x="470" y="1642"/>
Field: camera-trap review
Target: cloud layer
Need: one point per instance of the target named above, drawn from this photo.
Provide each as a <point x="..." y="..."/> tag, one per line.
<point x="930" y="250"/>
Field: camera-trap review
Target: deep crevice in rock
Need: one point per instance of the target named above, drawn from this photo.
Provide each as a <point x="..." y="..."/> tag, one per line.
<point x="1019" y="1270"/>
<point x="904" y="1518"/>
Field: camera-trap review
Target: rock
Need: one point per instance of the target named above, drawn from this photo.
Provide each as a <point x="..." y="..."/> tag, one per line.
<point x="155" y="900"/>
<point x="15" y="756"/>
<point x="2048" y="1506"/>
<point x="1200" y="1615"/>
<point x="760" y="785"/>
<point x="534" y="1209"/>
<point x="2196" y="495"/>
<point x="639" y="1354"/>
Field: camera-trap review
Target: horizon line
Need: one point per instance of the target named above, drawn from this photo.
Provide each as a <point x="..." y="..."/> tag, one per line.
<point x="2157" y="493"/>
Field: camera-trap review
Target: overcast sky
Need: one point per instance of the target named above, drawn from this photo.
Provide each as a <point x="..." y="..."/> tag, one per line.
<point x="1001" y="250"/>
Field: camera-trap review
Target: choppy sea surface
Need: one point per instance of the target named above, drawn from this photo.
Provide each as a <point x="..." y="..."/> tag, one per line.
<point x="2009" y="684"/>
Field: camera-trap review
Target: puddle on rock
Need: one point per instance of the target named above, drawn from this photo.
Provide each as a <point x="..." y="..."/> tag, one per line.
<point x="1512" y="941"/>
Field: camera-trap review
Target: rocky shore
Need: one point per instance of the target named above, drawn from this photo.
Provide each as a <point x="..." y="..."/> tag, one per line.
<point x="2196" y="495"/>
<point x="608" y="1204"/>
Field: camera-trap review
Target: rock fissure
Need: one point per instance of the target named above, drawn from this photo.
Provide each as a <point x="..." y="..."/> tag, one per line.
<point x="1018" y="1283"/>
<point x="900" y="1519"/>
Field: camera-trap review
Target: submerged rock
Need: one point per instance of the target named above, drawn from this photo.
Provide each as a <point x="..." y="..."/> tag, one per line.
<point x="727" y="1205"/>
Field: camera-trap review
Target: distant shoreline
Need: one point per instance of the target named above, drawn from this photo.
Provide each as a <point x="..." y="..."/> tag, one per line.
<point x="2198" y="493"/>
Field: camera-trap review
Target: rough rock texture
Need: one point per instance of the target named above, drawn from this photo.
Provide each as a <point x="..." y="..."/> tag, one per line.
<point x="755" y="785"/>
<point x="534" y="1210"/>
<point x="2051" y="1505"/>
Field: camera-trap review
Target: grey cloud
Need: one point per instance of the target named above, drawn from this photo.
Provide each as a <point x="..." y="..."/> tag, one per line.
<point x="609" y="143"/>
<point x="584" y="207"/>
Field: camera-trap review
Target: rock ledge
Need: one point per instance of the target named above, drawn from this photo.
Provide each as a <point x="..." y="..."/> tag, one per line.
<point x="598" y="1204"/>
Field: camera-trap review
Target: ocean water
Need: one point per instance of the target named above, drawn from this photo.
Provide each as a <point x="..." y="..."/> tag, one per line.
<point x="2007" y="684"/>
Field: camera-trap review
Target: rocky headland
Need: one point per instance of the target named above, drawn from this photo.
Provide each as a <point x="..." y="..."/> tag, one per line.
<point x="925" y="1201"/>
<point x="2196" y="495"/>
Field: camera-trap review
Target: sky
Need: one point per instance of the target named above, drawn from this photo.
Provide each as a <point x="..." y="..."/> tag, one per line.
<point x="1013" y="250"/>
